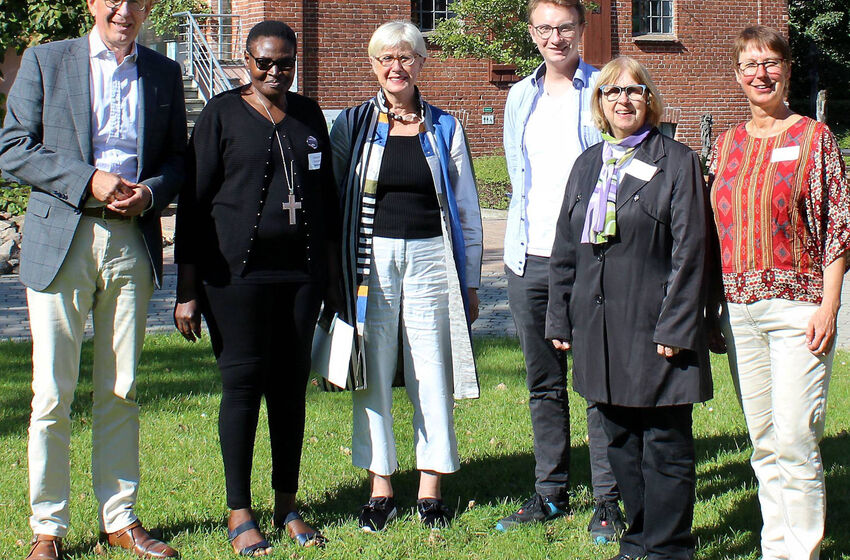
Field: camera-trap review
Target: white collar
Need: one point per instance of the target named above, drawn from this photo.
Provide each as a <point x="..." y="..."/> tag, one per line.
<point x="98" y="49"/>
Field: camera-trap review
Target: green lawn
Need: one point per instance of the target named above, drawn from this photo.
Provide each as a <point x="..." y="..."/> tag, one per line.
<point x="182" y="491"/>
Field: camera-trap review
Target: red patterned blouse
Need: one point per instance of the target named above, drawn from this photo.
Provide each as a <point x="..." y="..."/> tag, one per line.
<point x="782" y="210"/>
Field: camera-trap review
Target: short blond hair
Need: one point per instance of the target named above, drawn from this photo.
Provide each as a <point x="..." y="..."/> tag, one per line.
<point x="609" y="74"/>
<point x="577" y="5"/>
<point x="395" y="34"/>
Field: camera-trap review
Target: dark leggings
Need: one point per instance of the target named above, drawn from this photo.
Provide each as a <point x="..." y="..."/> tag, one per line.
<point x="261" y="336"/>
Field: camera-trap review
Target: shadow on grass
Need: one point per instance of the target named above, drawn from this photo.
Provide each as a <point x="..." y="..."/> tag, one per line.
<point x="165" y="373"/>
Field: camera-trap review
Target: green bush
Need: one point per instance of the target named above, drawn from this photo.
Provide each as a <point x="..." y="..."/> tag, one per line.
<point x="494" y="185"/>
<point x="13" y="197"/>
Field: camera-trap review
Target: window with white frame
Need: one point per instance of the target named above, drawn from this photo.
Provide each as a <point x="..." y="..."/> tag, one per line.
<point x="427" y="13"/>
<point x="652" y="17"/>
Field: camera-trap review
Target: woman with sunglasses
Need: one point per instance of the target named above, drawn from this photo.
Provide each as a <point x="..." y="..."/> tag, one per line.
<point x="411" y="268"/>
<point x="782" y="210"/>
<point x="257" y="246"/>
<point x="627" y="294"/>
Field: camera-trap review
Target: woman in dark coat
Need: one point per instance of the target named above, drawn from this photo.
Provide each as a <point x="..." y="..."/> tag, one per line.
<point x="257" y="244"/>
<point x="626" y="294"/>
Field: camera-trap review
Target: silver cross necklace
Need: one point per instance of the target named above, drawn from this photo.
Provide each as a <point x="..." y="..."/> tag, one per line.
<point x="290" y="205"/>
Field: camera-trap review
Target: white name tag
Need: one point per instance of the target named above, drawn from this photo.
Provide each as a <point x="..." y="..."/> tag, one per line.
<point x="641" y="170"/>
<point x="315" y="160"/>
<point x="789" y="153"/>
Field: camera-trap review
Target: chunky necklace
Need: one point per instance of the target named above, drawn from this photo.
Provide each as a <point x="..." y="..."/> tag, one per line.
<point x="290" y="205"/>
<point x="405" y="118"/>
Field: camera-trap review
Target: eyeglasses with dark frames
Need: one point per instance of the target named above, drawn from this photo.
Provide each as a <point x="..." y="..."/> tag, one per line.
<point x="635" y="92"/>
<point x="387" y="60"/>
<point x="564" y="30"/>
<point x="751" y="67"/>
<point x="265" y="64"/>
<point x="134" y="5"/>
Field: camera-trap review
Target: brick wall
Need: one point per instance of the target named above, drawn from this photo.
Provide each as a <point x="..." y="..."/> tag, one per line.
<point x="693" y="73"/>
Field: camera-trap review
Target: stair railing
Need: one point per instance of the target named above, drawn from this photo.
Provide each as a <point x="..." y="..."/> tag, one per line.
<point x="207" y="41"/>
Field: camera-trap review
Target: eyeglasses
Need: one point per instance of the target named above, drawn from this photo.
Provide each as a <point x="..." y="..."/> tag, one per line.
<point x="771" y="66"/>
<point x="387" y="60"/>
<point x="564" y="30"/>
<point x="635" y="92"/>
<point x="265" y="64"/>
<point x="134" y="5"/>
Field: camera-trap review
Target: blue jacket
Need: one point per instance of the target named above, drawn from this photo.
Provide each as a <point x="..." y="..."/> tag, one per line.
<point x="522" y="99"/>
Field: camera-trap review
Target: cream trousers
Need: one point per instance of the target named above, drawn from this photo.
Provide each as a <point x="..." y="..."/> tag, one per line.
<point x="408" y="305"/>
<point x="782" y="387"/>
<point x="107" y="272"/>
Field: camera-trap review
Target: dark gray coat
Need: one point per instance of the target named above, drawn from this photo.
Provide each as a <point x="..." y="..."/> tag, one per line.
<point x="614" y="302"/>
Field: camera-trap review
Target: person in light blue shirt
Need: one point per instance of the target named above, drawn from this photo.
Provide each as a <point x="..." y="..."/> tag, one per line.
<point x="548" y="124"/>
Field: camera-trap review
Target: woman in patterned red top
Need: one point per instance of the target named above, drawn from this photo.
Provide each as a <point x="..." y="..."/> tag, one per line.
<point x="782" y="210"/>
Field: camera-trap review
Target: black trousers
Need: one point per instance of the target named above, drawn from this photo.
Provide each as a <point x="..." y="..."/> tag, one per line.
<point x="262" y="337"/>
<point x="652" y="454"/>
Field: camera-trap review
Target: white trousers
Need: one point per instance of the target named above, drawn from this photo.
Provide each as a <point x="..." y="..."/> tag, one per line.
<point x="408" y="304"/>
<point x="783" y="388"/>
<point x="107" y="272"/>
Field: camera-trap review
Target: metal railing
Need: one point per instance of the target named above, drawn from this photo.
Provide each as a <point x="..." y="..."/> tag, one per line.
<point x="209" y="43"/>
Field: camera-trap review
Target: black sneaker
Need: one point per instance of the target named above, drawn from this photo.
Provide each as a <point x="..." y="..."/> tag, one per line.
<point x="538" y="508"/>
<point x="606" y="525"/>
<point x="433" y="513"/>
<point x="375" y="515"/>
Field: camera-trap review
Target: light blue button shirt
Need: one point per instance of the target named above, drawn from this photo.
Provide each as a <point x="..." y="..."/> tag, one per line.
<point x="522" y="99"/>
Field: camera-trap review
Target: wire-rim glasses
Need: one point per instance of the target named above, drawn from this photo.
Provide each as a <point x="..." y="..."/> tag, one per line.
<point x="134" y="5"/>
<point x="751" y="67"/>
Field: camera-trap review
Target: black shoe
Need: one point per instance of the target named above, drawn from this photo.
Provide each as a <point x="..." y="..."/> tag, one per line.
<point x="433" y="513"/>
<point x="606" y="525"/>
<point x="538" y="508"/>
<point x="622" y="556"/>
<point x="375" y="515"/>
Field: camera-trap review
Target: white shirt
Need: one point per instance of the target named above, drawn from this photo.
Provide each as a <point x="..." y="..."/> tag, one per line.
<point x="115" y="109"/>
<point x="553" y="147"/>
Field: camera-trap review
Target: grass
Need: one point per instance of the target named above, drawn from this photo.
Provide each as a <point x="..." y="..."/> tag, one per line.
<point x="494" y="184"/>
<point x="182" y="490"/>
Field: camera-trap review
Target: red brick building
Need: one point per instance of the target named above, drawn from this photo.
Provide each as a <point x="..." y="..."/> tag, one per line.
<point x="684" y="43"/>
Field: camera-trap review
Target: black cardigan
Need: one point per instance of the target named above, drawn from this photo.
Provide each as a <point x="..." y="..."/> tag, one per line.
<point x="231" y="154"/>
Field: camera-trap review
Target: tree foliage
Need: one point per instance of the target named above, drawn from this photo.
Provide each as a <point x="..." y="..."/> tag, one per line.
<point x="29" y="22"/>
<point x="820" y="40"/>
<point x="490" y="29"/>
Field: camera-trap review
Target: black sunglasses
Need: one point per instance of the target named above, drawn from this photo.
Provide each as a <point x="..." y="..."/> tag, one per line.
<point x="265" y="64"/>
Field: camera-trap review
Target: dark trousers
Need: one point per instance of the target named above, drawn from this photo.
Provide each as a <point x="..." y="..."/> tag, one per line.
<point x="546" y="378"/>
<point x="652" y="453"/>
<point x="262" y="336"/>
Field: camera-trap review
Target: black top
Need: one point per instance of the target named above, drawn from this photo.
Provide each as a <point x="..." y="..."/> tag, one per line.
<point x="406" y="203"/>
<point x="231" y="222"/>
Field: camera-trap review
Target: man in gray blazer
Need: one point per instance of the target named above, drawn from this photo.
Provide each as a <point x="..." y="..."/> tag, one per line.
<point x="97" y="126"/>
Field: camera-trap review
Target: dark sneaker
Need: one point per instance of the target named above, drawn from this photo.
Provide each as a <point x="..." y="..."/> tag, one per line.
<point x="606" y="525"/>
<point x="433" y="513"/>
<point x="538" y="508"/>
<point x="622" y="556"/>
<point x="375" y="515"/>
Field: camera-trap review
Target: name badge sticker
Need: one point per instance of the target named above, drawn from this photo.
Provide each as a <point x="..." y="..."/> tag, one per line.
<point x="641" y="170"/>
<point x="315" y="160"/>
<point x="788" y="153"/>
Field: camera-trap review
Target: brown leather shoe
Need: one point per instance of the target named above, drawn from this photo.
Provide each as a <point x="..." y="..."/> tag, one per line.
<point x="45" y="547"/>
<point x="134" y="537"/>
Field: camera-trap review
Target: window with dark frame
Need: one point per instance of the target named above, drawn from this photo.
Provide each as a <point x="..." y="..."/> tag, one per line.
<point x="652" y="17"/>
<point x="427" y="13"/>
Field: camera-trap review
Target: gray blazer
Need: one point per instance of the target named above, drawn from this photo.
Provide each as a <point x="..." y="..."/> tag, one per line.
<point x="46" y="142"/>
